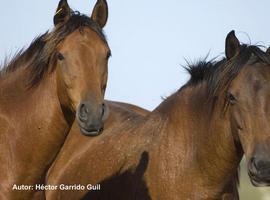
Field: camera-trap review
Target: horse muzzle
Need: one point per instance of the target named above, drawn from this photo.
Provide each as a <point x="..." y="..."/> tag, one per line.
<point x="259" y="172"/>
<point x="91" y="119"/>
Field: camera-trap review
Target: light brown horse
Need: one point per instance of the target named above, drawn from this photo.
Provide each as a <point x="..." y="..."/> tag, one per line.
<point x="189" y="147"/>
<point x="62" y="74"/>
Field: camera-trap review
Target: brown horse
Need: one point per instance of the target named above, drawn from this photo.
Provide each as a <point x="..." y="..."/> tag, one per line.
<point x="120" y="112"/>
<point x="61" y="75"/>
<point x="189" y="147"/>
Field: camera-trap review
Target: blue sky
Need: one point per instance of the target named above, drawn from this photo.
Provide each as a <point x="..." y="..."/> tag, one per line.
<point x="149" y="39"/>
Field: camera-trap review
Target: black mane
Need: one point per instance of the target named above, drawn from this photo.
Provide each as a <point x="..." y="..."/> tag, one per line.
<point x="38" y="55"/>
<point x="219" y="74"/>
<point x="200" y="71"/>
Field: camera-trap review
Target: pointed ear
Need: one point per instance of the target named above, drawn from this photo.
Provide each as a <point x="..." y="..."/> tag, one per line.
<point x="62" y="13"/>
<point x="232" y="45"/>
<point x="268" y="51"/>
<point x="100" y="13"/>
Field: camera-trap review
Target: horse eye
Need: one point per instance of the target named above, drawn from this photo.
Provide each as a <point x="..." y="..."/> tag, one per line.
<point x="109" y="54"/>
<point x="231" y="98"/>
<point x="60" y="56"/>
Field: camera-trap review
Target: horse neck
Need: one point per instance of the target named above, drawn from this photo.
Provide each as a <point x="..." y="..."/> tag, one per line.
<point x="35" y="127"/>
<point x="199" y="128"/>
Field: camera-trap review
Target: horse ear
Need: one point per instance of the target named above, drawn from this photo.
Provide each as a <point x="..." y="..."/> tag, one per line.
<point x="268" y="51"/>
<point x="63" y="13"/>
<point x="100" y="13"/>
<point x="232" y="45"/>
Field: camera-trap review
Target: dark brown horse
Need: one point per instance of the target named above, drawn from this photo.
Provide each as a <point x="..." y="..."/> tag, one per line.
<point x="62" y="74"/>
<point x="189" y="147"/>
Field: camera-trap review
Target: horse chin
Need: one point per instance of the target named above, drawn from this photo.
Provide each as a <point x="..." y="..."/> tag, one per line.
<point x="91" y="133"/>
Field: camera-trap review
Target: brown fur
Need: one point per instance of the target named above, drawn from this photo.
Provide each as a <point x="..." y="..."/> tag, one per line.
<point x="145" y="155"/>
<point x="35" y="120"/>
<point x="186" y="148"/>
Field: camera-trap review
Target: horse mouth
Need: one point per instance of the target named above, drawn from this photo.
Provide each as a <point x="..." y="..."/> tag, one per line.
<point x="259" y="181"/>
<point x="91" y="132"/>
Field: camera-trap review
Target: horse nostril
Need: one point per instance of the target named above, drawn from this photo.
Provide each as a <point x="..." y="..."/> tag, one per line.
<point x="256" y="163"/>
<point x="83" y="112"/>
<point x="252" y="166"/>
<point x="260" y="164"/>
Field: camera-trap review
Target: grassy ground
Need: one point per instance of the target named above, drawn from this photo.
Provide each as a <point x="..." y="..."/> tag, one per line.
<point x="248" y="191"/>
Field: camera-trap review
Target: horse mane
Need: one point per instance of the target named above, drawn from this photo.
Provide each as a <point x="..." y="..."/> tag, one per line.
<point x="200" y="71"/>
<point x="43" y="48"/>
<point x="219" y="74"/>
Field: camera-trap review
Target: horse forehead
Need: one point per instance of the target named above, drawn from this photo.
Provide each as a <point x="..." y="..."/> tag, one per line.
<point x="258" y="73"/>
<point x="255" y="73"/>
<point x="85" y="35"/>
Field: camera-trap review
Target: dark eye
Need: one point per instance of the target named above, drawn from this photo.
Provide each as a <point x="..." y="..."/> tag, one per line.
<point x="109" y="54"/>
<point x="60" y="56"/>
<point x="231" y="98"/>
